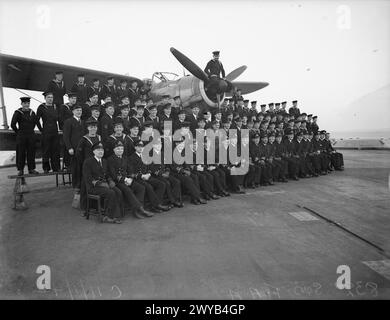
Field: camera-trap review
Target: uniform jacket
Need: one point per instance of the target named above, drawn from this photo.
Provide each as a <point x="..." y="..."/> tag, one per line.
<point x="59" y="90"/>
<point x="73" y="132"/>
<point x="106" y="127"/>
<point x="119" y="168"/>
<point x="50" y="117"/>
<point x="65" y="112"/>
<point x="84" y="147"/>
<point x="82" y="92"/>
<point x="24" y="122"/>
<point x="215" y="67"/>
<point x="94" y="174"/>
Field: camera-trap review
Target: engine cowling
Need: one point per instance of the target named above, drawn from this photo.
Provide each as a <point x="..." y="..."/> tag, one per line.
<point x="192" y="90"/>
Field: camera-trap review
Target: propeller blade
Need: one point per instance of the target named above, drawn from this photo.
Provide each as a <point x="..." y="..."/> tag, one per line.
<point x="190" y="65"/>
<point x="248" y="87"/>
<point x="235" y="73"/>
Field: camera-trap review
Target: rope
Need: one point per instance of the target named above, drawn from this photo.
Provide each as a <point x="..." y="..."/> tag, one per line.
<point x="28" y="95"/>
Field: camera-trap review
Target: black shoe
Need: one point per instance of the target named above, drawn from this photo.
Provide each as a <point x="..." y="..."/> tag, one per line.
<point x="162" y="207"/>
<point x="195" y="202"/>
<point x="178" y="204"/>
<point x="295" y="178"/>
<point x="141" y="211"/>
<point x="226" y="194"/>
<point x="155" y="210"/>
<point x="315" y="175"/>
<point x="201" y="201"/>
<point x="270" y="182"/>
<point x="138" y="214"/>
<point x="284" y="180"/>
<point x="206" y="197"/>
<point x="214" y="196"/>
<point x="241" y="190"/>
<point x="33" y="171"/>
<point x="20" y="173"/>
<point x="169" y="205"/>
<point x="46" y="171"/>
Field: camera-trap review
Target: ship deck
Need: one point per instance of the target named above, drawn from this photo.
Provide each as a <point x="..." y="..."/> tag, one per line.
<point x="275" y="242"/>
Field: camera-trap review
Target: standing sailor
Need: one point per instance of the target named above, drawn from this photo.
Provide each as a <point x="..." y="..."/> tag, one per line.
<point x="23" y="123"/>
<point x="48" y="112"/>
<point x="57" y="88"/>
<point x="73" y="132"/>
<point x="65" y="112"/>
<point x="214" y="66"/>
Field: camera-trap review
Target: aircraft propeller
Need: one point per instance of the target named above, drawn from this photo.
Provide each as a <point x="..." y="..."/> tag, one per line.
<point x="216" y="86"/>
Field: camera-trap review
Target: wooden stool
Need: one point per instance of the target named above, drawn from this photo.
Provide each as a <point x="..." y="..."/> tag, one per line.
<point x="100" y="209"/>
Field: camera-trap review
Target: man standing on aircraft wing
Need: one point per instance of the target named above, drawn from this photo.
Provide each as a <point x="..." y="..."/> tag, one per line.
<point x="214" y="66"/>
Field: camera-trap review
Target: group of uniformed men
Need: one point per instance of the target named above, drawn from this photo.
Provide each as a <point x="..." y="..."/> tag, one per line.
<point x="104" y="151"/>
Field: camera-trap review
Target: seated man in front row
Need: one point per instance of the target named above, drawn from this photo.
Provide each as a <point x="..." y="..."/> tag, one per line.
<point x="121" y="173"/>
<point x="98" y="181"/>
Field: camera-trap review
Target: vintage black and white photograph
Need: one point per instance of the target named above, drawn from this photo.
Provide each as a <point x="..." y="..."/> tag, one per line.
<point x="194" y="150"/>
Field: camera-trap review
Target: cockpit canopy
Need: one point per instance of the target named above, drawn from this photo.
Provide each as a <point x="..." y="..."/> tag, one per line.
<point x="164" y="77"/>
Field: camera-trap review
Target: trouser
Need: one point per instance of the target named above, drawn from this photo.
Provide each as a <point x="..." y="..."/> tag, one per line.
<point x="25" y="145"/>
<point x="325" y="161"/>
<point x="67" y="158"/>
<point x="316" y="163"/>
<point x="253" y="176"/>
<point x="301" y="167"/>
<point x="131" y="198"/>
<point x="308" y="165"/>
<point x="222" y="177"/>
<point x="189" y="184"/>
<point x="275" y="169"/>
<point x="172" y="188"/>
<point x="154" y="190"/>
<point x="204" y="183"/>
<point x="266" y="172"/>
<point x="292" y="166"/>
<point x="283" y="168"/>
<point x="234" y="180"/>
<point x="217" y="178"/>
<point x="76" y="169"/>
<point x="50" y="152"/>
<point x="113" y="197"/>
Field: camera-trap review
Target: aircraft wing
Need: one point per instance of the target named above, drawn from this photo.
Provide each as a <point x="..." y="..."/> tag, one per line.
<point x="31" y="74"/>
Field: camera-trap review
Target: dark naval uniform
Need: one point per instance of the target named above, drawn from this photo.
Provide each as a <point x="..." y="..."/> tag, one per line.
<point x="215" y="67"/>
<point x="65" y="113"/>
<point x="50" y="137"/>
<point x="58" y="89"/>
<point x="119" y="169"/>
<point x="73" y="132"/>
<point x="97" y="178"/>
<point x="110" y="90"/>
<point x="81" y="91"/>
<point x="23" y="123"/>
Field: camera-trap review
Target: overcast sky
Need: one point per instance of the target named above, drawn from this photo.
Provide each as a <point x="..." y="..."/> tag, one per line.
<point x="325" y="54"/>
